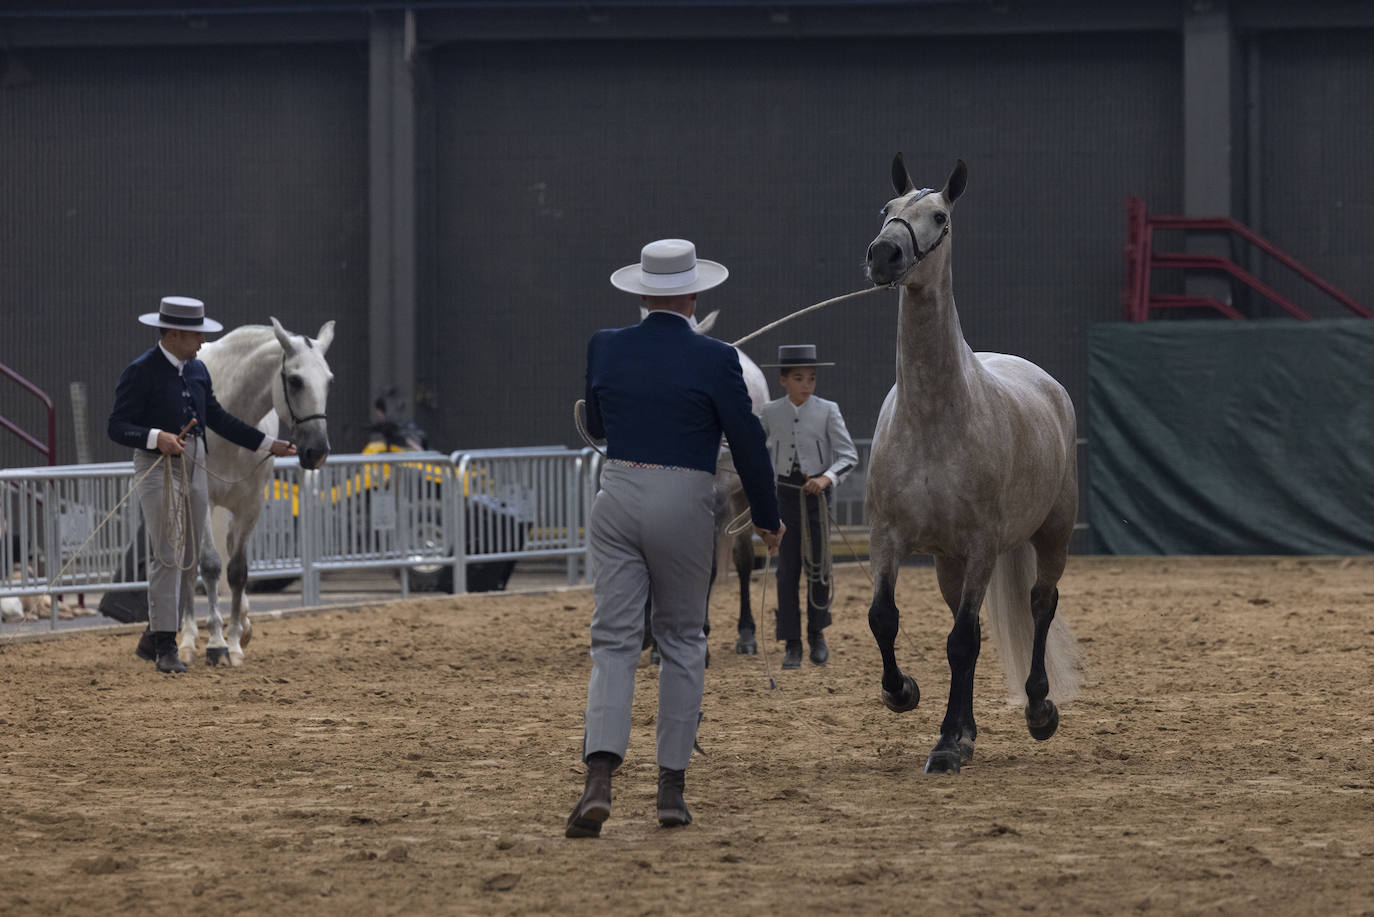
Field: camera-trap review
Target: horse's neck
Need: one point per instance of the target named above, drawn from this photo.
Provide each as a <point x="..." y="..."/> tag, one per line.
<point x="935" y="367"/>
<point x="243" y="384"/>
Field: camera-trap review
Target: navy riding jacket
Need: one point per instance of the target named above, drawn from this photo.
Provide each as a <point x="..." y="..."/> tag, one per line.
<point x="659" y="392"/>
<point x="152" y="394"/>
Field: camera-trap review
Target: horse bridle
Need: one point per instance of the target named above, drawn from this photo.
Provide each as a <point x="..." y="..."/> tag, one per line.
<point x="286" y="396"/>
<point x="918" y="255"/>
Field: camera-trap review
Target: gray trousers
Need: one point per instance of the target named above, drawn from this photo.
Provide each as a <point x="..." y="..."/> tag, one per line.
<point x="652" y="531"/>
<point x="172" y="590"/>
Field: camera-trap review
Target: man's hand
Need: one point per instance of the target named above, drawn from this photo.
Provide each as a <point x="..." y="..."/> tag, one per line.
<point x="170" y="443"/>
<point x="771" y="540"/>
<point x="816" y="485"/>
<point x="282" y="448"/>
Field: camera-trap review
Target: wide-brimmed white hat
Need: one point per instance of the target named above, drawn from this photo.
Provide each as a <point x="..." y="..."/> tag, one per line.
<point x="182" y="313"/>
<point x="669" y="267"/>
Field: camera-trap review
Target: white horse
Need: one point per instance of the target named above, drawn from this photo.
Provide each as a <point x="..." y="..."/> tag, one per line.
<point x="730" y="503"/>
<point x="261" y="372"/>
<point x="973" y="462"/>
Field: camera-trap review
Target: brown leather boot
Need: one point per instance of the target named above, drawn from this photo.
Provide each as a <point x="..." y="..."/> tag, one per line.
<point x="595" y="805"/>
<point x="672" y="808"/>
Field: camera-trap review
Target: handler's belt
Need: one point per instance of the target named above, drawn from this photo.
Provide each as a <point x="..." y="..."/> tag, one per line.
<point x="625" y="463"/>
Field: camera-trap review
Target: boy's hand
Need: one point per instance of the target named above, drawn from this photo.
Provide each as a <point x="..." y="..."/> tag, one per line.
<point x="816" y="485"/>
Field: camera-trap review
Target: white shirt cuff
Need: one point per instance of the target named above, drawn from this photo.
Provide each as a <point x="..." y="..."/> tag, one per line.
<point x="152" y="437"/>
<point x="265" y="446"/>
<point x="834" y="481"/>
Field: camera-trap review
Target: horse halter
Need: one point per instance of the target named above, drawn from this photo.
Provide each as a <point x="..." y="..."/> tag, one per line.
<point x="286" y="396"/>
<point x="917" y="255"/>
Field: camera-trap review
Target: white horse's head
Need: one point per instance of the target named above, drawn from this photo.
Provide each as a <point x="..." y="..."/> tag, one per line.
<point x="303" y="391"/>
<point x="914" y="224"/>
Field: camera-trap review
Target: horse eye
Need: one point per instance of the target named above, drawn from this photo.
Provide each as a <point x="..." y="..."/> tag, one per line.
<point x="296" y="382"/>
<point x="940" y="218"/>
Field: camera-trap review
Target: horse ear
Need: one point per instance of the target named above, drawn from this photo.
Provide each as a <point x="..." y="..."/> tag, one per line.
<point x="705" y="324"/>
<point x="958" y="180"/>
<point x="900" y="180"/>
<point x="325" y="337"/>
<point x="283" y="336"/>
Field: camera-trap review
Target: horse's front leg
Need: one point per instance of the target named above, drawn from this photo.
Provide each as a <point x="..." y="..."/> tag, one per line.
<point x="963" y="583"/>
<point x="900" y="692"/>
<point x="236" y="542"/>
<point x="211" y="569"/>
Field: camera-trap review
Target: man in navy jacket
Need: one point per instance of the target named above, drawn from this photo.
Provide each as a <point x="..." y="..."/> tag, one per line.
<point x="158" y="397"/>
<point x="660" y="395"/>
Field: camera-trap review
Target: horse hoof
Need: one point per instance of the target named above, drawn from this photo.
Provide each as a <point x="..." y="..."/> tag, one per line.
<point x="943" y="761"/>
<point x="904" y="699"/>
<point x="965" y="751"/>
<point x="746" y="645"/>
<point x="1043" y="726"/>
<point x="215" y="655"/>
<point x="235" y="659"/>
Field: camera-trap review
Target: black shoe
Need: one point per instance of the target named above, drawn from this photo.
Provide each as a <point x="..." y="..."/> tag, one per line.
<point x="746" y="645"/>
<point x="820" y="653"/>
<point x="167" y="660"/>
<point x="672" y="808"/>
<point x="147" y="646"/>
<point x="595" y="805"/>
<point x="791" y="657"/>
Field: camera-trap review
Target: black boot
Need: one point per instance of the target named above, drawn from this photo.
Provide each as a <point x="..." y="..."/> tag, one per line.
<point x="167" y="661"/>
<point x="672" y="808"/>
<point x="791" y="656"/>
<point x="820" y="653"/>
<point x="147" y="646"/>
<point x="595" y="805"/>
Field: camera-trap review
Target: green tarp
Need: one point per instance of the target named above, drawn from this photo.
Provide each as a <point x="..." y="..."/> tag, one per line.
<point x="1231" y="437"/>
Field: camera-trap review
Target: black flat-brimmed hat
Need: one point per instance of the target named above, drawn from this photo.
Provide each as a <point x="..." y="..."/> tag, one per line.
<point x="792" y="356"/>
<point x="182" y="313"/>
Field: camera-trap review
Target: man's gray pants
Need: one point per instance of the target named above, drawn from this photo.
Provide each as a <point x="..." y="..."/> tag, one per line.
<point x="652" y="533"/>
<point x="170" y="518"/>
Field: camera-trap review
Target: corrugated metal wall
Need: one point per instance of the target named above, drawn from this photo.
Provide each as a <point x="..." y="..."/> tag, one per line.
<point x="1317" y="126"/>
<point x="237" y="175"/>
<point x="553" y="168"/>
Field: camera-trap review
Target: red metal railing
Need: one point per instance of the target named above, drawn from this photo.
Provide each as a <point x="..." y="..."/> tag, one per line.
<point x="1141" y="259"/>
<point x="50" y="450"/>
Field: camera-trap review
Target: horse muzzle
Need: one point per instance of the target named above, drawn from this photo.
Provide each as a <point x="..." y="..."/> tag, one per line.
<point x="886" y="262"/>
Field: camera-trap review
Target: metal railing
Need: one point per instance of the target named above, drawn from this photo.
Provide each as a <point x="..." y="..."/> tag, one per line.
<point x="50" y="449"/>
<point x="1142" y="259"/>
<point x="408" y="511"/>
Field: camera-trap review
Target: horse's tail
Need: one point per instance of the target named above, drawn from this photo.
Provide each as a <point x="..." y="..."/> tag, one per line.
<point x="1013" y="630"/>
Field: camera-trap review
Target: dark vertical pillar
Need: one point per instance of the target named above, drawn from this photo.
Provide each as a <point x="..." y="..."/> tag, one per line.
<point x="391" y="177"/>
<point x="1213" y="130"/>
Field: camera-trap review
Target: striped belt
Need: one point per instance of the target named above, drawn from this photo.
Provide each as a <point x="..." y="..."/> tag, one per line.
<point x="623" y="463"/>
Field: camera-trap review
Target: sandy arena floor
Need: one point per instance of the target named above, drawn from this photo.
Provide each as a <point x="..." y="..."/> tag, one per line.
<point x="420" y="757"/>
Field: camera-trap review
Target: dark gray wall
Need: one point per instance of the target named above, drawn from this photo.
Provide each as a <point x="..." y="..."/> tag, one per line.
<point x="555" y="167"/>
<point x="1316" y="110"/>
<point x="233" y="174"/>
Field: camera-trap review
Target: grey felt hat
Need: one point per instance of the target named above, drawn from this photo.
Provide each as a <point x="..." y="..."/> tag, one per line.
<point x="182" y="313"/>
<point x="792" y="356"/>
<point x="669" y="267"/>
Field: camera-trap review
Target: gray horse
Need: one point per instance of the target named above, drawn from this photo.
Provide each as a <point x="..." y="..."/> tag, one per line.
<point x="974" y="463"/>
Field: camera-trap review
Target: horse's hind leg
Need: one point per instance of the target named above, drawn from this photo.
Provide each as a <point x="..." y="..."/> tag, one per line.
<point x="743" y="552"/>
<point x="1042" y="716"/>
<point x="900" y="692"/>
<point x="963" y="583"/>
